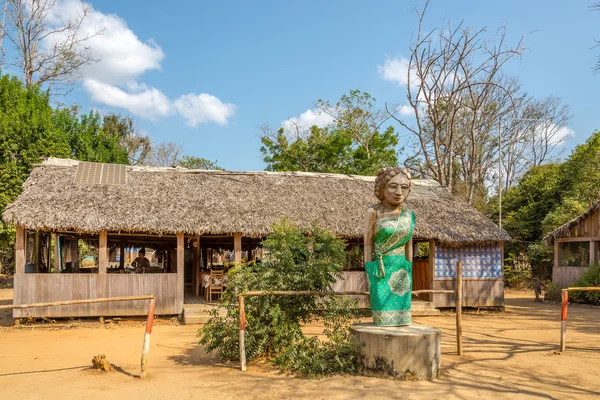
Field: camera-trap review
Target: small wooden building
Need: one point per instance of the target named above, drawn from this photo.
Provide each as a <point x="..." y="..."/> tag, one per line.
<point x="576" y="246"/>
<point x="182" y="214"/>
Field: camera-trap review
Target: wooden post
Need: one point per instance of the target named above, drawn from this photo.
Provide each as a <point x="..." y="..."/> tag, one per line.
<point x="556" y="256"/>
<point x="196" y="267"/>
<point x="74" y="255"/>
<point x="431" y="296"/>
<point x="102" y="252"/>
<point x="242" y="332"/>
<point x="180" y="274"/>
<point x="122" y="254"/>
<point x="20" y="251"/>
<point x="37" y="252"/>
<point x="459" y="296"/>
<point x="237" y="247"/>
<point x="592" y="252"/>
<point x="56" y="253"/>
<point x="146" y="345"/>
<point x="563" y="320"/>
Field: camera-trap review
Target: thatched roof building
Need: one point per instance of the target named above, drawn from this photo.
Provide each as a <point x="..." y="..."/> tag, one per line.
<point x="172" y="200"/>
<point x="573" y="227"/>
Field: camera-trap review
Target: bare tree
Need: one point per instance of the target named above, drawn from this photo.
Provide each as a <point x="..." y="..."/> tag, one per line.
<point x="50" y="51"/>
<point x="165" y="154"/>
<point x="549" y="129"/>
<point x="138" y="145"/>
<point x="454" y="77"/>
<point x="534" y="136"/>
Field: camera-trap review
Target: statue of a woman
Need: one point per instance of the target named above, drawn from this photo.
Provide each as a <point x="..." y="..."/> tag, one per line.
<point x="388" y="248"/>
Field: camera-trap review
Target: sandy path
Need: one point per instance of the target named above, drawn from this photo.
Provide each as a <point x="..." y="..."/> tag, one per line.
<point x="507" y="355"/>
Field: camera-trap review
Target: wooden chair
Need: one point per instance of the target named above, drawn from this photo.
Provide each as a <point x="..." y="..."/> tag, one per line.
<point x="215" y="284"/>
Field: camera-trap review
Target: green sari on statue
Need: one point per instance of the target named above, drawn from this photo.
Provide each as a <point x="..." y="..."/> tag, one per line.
<point x="390" y="274"/>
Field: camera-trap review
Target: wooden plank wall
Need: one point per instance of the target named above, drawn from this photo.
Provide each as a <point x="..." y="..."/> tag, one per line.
<point x="354" y="281"/>
<point x="590" y="226"/>
<point x="476" y="292"/>
<point x="38" y="288"/>
<point x="565" y="276"/>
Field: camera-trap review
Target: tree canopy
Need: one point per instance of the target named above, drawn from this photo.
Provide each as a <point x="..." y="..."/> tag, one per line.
<point x="355" y="142"/>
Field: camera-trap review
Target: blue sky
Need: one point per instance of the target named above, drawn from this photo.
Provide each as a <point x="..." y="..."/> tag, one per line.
<point x="205" y="74"/>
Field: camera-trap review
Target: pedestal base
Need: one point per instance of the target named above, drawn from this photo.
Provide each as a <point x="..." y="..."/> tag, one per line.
<point x="410" y="352"/>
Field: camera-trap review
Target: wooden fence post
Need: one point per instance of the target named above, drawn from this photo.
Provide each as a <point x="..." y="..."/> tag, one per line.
<point x="242" y="332"/>
<point x="146" y="345"/>
<point x="459" y="295"/>
<point x="563" y="320"/>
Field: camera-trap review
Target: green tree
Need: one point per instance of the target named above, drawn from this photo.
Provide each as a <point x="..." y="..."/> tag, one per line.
<point x="28" y="134"/>
<point x="198" y="163"/>
<point x="299" y="259"/>
<point x="87" y="139"/>
<point x="356" y="142"/>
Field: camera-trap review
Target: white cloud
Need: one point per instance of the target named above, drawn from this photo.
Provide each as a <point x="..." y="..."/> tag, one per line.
<point x="201" y="108"/>
<point x="140" y="100"/>
<point x="395" y="70"/>
<point x="124" y="58"/>
<point x="299" y="126"/>
<point x="406" y="111"/>
<point x="555" y="136"/>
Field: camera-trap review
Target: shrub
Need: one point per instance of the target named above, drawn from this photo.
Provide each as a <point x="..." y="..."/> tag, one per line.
<point x="298" y="259"/>
<point x="590" y="278"/>
<point x="553" y="292"/>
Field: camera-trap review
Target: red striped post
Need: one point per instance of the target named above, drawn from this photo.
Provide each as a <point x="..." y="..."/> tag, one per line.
<point x="242" y="332"/>
<point x="563" y="320"/>
<point x="146" y="346"/>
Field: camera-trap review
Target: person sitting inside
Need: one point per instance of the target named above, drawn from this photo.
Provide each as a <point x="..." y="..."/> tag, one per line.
<point x="141" y="263"/>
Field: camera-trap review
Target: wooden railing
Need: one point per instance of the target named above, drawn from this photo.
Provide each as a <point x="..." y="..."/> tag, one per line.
<point x="145" y="346"/>
<point x="243" y="322"/>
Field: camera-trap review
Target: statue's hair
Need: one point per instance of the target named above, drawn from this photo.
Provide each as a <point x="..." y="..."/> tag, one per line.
<point x="383" y="177"/>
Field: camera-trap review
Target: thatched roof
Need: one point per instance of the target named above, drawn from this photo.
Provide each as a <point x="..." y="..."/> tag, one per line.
<point x="564" y="230"/>
<point x="171" y="200"/>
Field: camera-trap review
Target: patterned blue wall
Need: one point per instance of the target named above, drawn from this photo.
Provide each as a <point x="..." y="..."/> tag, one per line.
<point x="478" y="261"/>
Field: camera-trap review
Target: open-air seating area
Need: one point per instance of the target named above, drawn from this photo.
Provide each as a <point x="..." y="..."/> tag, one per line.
<point x="213" y="282"/>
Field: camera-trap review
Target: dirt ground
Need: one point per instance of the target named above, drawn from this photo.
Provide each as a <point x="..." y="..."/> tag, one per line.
<point x="508" y="355"/>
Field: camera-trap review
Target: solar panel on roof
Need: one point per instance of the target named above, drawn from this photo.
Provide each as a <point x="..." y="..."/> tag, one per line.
<point x="89" y="173"/>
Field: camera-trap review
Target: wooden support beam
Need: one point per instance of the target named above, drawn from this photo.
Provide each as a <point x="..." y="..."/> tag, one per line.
<point x="430" y="297"/>
<point x="20" y="251"/>
<point x="48" y="252"/>
<point x="37" y="251"/>
<point x="196" y="267"/>
<point x="592" y="252"/>
<point x="74" y="255"/>
<point x="122" y="254"/>
<point x="237" y="248"/>
<point x="102" y="253"/>
<point x="556" y="255"/>
<point x="180" y="273"/>
<point x="56" y="253"/>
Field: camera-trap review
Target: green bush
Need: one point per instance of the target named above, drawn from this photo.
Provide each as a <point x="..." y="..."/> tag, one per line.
<point x="590" y="278"/>
<point x="553" y="292"/>
<point x="298" y="259"/>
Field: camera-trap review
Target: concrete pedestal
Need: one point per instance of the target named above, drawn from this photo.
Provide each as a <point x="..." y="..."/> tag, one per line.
<point x="411" y="352"/>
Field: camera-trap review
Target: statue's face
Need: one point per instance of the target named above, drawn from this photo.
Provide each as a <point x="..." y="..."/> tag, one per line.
<point x="397" y="189"/>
